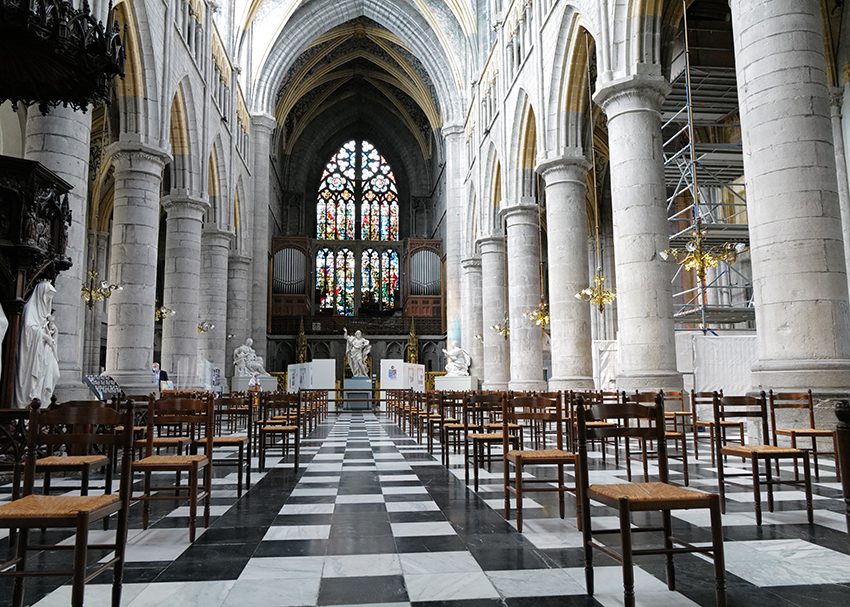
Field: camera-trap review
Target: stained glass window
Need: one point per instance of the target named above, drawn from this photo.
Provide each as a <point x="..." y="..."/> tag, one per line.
<point x="357" y="176"/>
<point x="335" y="207"/>
<point x="335" y="281"/>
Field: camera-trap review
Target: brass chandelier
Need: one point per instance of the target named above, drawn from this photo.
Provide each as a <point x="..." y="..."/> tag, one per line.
<point x="94" y="291"/>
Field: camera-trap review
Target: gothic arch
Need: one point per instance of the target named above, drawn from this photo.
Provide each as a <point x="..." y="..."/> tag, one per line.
<point x="136" y="93"/>
<point x="493" y="188"/>
<point x="523" y="150"/>
<point x="183" y="137"/>
<point x="217" y="188"/>
<point x="634" y="35"/>
<point x="238" y="217"/>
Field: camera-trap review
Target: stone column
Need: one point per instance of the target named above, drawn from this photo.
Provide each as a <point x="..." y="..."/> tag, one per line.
<point x="262" y="127"/>
<point x="566" y="220"/>
<point x="95" y="315"/>
<point x="132" y="263"/>
<point x="647" y="345"/>
<point x="521" y="221"/>
<point x="800" y="281"/>
<point x="181" y="290"/>
<point x="455" y="154"/>
<point x="494" y="299"/>
<point x="837" y="99"/>
<point x="473" y="323"/>
<point x="238" y="298"/>
<point x="60" y="141"/>
<point x="215" y="244"/>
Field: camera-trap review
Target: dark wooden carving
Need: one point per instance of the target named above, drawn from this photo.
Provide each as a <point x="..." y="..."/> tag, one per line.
<point x="34" y="221"/>
<point x="842" y="431"/>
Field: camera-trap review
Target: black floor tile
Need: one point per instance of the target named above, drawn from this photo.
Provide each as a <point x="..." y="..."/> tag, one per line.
<point x="359" y="590"/>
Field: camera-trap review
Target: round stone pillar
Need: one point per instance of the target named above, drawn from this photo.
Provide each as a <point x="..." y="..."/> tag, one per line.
<point x="215" y="244"/>
<point x="494" y="311"/>
<point x="60" y="141"/>
<point x="262" y="127"/>
<point x="455" y="155"/>
<point x="799" y="273"/>
<point x="238" y="296"/>
<point x="473" y="321"/>
<point x="647" y="345"/>
<point x="566" y="220"/>
<point x="133" y="257"/>
<point x="523" y="239"/>
<point x="182" y="288"/>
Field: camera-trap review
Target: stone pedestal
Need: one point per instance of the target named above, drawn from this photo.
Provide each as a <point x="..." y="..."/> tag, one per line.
<point x="267" y="383"/>
<point x="639" y="203"/>
<point x="357" y="388"/>
<point x="566" y="217"/>
<point x="799" y="271"/>
<point x="465" y="383"/>
<point x="526" y="338"/>
<point x="135" y="234"/>
<point x="497" y="354"/>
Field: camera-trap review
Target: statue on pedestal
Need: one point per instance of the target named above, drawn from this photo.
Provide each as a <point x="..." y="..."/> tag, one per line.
<point x="357" y="348"/>
<point x="412" y="349"/>
<point x="38" y="358"/>
<point x="246" y="362"/>
<point x="457" y="361"/>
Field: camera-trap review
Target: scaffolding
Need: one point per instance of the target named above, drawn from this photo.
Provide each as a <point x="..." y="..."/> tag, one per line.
<point x="706" y="199"/>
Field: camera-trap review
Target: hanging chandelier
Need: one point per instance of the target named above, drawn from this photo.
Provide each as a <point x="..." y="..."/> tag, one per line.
<point x="540" y="316"/>
<point x="205" y="326"/>
<point x="94" y="291"/>
<point x="56" y="54"/>
<point x="161" y="313"/>
<point x="503" y="328"/>
<point x="699" y="256"/>
<point x="597" y="294"/>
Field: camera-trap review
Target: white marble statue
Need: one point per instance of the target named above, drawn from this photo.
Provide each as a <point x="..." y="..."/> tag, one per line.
<point x="357" y="348"/>
<point x="457" y="361"/>
<point x="246" y="362"/>
<point x="4" y="325"/>
<point x="38" y="359"/>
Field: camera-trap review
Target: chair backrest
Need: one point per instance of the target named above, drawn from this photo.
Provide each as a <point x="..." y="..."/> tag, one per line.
<point x="641" y="406"/>
<point x="674" y="400"/>
<point x="531" y="410"/>
<point x="188" y="417"/>
<point x="83" y="429"/>
<point x="790" y="400"/>
<point x="702" y="399"/>
<point x="727" y="408"/>
<point x="479" y="409"/>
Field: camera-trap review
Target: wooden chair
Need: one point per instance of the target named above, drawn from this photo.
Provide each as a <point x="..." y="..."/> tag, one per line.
<point x="703" y="399"/>
<point x="281" y="419"/>
<point x="747" y="407"/>
<point x="452" y="427"/>
<point x="224" y="409"/>
<point x="627" y="498"/>
<point x="480" y="410"/>
<point x="788" y="400"/>
<point x="189" y="419"/>
<point x="91" y="426"/>
<point x="601" y="397"/>
<point x="676" y="436"/>
<point x="69" y="458"/>
<point x="533" y="410"/>
<point x="13" y="447"/>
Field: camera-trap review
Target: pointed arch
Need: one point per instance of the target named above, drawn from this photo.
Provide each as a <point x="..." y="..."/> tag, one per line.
<point x="217" y="188"/>
<point x="523" y="150"/>
<point x="182" y="134"/>
<point x="238" y="215"/>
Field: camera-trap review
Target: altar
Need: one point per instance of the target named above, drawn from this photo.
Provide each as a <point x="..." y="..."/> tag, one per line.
<point x="357" y="394"/>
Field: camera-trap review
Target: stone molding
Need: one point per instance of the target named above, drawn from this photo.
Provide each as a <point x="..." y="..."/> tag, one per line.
<point x="492" y="244"/>
<point x="452" y="130"/>
<point x="471" y="264"/>
<point x="640" y="93"/>
<point x="521" y="214"/>
<point x="138" y="157"/>
<point x="185" y="206"/>
<point x="264" y="122"/>
<point x="564" y="169"/>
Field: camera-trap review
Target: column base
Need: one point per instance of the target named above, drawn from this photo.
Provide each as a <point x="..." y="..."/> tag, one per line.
<point x="134" y="382"/>
<point x="495" y="386"/>
<point x="72" y="390"/>
<point x="827" y="378"/>
<point x="650" y="381"/>
<point x="528" y="386"/>
<point x="571" y="383"/>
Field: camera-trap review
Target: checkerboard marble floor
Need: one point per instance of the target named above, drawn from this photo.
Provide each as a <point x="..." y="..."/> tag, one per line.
<point x="373" y="519"/>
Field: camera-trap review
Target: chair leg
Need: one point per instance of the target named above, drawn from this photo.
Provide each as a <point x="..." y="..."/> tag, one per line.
<point x="561" y="505"/>
<point x="81" y="541"/>
<point x="120" y="553"/>
<point x="628" y="564"/>
<point x="518" y="472"/>
<point x="769" y="482"/>
<point x="814" y="459"/>
<point x="756" y="489"/>
<point x="667" y="523"/>
<point x="239" y="471"/>
<point x="476" y="449"/>
<point x="208" y="493"/>
<point x="685" y="459"/>
<point x="466" y="460"/>
<point x="146" y="501"/>
<point x="711" y="439"/>
<point x="507" y="481"/>
<point x="807" y="478"/>
<point x="262" y="451"/>
<point x="193" y="501"/>
<point x="23" y="545"/>
<point x="717" y="551"/>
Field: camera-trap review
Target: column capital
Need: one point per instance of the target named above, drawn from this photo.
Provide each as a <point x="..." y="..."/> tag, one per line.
<point x="570" y="166"/>
<point x="471" y="264"/>
<point x="238" y="258"/>
<point x="452" y="129"/>
<point x="132" y="156"/>
<point x="216" y="236"/>
<point x="495" y="243"/>
<point x="522" y="213"/>
<point x="836" y="99"/>
<point x="264" y="122"/>
<point x="641" y="92"/>
<point x="178" y="205"/>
